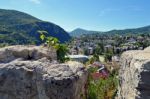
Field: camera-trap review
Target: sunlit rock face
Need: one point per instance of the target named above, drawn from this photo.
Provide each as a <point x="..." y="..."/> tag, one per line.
<point x="134" y="75"/>
<point x="30" y="72"/>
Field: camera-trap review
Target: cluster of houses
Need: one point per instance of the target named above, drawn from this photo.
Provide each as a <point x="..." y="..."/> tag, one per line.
<point x="87" y="44"/>
<point x="79" y="48"/>
<point x="82" y="48"/>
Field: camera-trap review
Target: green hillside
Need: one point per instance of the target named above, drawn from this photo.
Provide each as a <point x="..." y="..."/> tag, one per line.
<point x="20" y="28"/>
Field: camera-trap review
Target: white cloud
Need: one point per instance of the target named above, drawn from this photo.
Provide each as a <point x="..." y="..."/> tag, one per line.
<point x="35" y="1"/>
<point x="106" y="11"/>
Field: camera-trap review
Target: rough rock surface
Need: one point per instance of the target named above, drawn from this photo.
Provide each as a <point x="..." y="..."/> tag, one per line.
<point x="134" y="75"/>
<point x="27" y="73"/>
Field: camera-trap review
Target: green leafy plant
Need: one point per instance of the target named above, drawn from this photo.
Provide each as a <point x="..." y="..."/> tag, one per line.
<point x="61" y="49"/>
<point x="42" y="34"/>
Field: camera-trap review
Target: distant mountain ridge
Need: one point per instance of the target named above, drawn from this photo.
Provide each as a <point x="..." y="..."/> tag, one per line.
<point x="145" y="29"/>
<point x="79" y="31"/>
<point x="20" y="28"/>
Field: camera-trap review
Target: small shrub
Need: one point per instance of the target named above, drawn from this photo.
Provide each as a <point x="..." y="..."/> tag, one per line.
<point x="61" y="49"/>
<point x="102" y="88"/>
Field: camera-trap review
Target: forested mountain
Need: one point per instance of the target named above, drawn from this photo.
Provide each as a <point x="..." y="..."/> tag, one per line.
<point x="78" y="32"/>
<point x="20" y="28"/>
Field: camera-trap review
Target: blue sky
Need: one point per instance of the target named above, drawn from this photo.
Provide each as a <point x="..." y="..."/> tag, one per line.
<point x="101" y="15"/>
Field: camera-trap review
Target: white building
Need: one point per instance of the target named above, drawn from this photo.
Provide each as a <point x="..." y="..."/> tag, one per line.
<point x="79" y="58"/>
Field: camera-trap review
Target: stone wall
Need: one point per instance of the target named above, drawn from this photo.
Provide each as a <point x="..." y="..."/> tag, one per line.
<point x="134" y="75"/>
<point x="30" y="73"/>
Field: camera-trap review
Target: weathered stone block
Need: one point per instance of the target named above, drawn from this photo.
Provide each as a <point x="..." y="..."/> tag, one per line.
<point x="27" y="73"/>
<point x="134" y="75"/>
